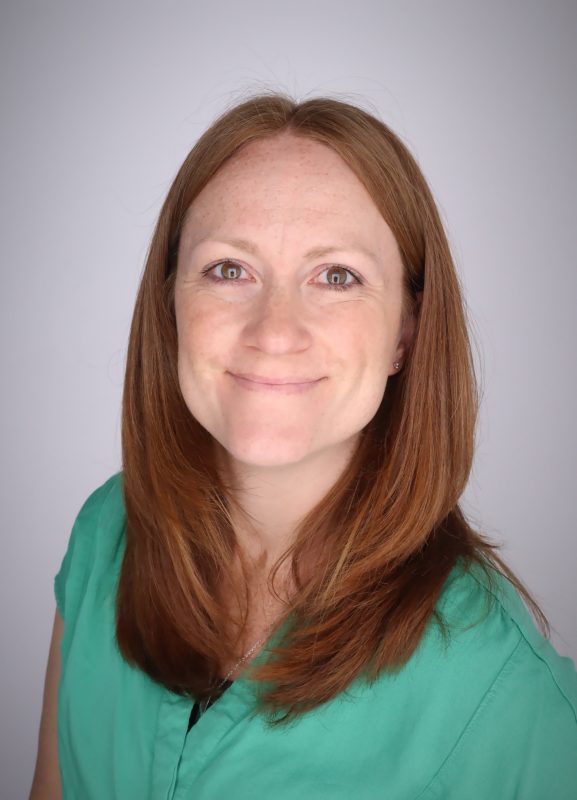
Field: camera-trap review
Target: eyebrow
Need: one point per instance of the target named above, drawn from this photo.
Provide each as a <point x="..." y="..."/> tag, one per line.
<point x="315" y="252"/>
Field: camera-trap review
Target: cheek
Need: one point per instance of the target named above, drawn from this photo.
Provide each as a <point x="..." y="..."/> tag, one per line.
<point x="203" y="334"/>
<point x="203" y="341"/>
<point x="369" y="341"/>
<point x="369" y="352"/>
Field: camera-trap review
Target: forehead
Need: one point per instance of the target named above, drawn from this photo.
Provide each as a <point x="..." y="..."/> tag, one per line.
<point x="287" y="185"/>
<point x="295" y="158"/>
<point x="289" y="171"/>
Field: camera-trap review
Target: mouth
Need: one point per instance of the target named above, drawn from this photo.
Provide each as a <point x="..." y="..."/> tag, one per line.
<point x="285" y="385"/>
<point x="274" y="381"/>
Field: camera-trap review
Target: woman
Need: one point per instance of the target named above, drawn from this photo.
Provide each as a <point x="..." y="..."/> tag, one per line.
<point x="279" y="596"/>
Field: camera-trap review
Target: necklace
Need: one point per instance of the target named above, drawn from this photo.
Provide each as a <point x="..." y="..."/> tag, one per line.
<point x="247" y="655"/>
<point x="203" y="705"/>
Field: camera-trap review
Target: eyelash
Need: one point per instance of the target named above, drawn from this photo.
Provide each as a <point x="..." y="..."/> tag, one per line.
<point x="335" y="287"/>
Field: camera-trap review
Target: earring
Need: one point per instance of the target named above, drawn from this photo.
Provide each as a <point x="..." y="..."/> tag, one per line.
<point x="397" y="365"/>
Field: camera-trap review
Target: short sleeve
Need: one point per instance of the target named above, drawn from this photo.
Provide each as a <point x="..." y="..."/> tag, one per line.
<point x="521" y="741"/>
<point x="78" y="558"/>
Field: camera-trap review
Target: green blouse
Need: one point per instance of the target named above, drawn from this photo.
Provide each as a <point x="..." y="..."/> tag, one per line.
<point x="491" y="715"/>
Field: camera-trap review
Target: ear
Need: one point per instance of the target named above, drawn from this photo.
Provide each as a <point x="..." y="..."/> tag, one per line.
<point x="406" y="335"/>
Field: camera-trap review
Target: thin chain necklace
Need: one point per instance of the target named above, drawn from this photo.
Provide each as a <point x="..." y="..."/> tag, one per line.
<point x="247" y="655"/>
<point x="203" y="705"/>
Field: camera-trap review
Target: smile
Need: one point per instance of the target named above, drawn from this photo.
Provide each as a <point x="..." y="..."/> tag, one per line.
<point x="276" y="385"/>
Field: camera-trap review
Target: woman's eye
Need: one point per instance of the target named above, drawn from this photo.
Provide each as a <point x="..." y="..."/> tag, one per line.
<point x="230" y="271"/>
<point x="338" y="278"/>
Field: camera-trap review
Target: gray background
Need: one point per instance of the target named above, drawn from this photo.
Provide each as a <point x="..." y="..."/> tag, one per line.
<point x="100" y="104"/>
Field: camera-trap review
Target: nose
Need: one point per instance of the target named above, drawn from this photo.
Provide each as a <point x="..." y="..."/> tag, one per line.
<point x="277" y="322"/>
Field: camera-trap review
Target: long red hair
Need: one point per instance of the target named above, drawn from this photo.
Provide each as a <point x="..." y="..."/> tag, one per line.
<point x="390" y="530"/>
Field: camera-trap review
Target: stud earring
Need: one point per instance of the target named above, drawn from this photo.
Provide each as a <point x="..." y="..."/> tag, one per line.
<point x="397" y="365"/>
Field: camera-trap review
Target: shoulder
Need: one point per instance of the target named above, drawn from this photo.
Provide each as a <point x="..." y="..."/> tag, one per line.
<point x="96" y="539"/>
<point x="483" y="609"/>
<point x="107" y="498"/>
<point x="513" y="698"/>
<point x="100" y="521"/>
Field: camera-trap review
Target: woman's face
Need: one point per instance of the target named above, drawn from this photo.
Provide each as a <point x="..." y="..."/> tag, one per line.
<point x="288" y="304"/>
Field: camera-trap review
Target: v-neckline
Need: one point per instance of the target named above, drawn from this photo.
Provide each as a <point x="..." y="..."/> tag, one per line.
<point x="182" y="752"/>
<point x="196" y="712"/>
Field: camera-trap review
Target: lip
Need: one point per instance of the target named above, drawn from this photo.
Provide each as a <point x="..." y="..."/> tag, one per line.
<point x="258" y="383"/>
<point x="273" y="381"/>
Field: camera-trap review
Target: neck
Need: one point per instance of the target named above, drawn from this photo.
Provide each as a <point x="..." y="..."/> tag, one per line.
<point x="274" y="500"/>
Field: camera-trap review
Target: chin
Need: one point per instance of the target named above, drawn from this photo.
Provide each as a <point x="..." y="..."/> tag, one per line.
<point x="266" y="453"/>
